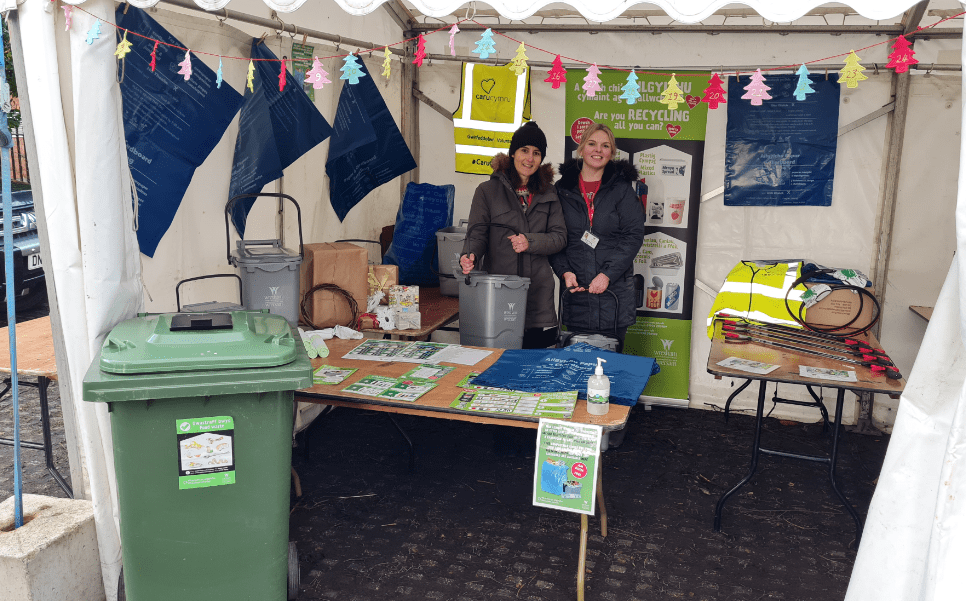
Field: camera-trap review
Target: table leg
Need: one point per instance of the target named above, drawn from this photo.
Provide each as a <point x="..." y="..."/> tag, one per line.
<point x="42" y="383"/>
<point x="600" y="501"/>
<point x="839" y="403"/>
<point x="732" y="397"/>
<point x="755" y="449"/>
<point x="412" y="449"/>
<point x="582" y="557"/>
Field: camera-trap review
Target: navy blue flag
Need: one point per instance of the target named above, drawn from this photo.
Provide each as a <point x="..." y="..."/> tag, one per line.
<point x="170" y="125"/>
<point x="275" y="128"/>
<point x="367" y="149"/>
<point x="560" y="370"/>
<point x="781" y="153"/>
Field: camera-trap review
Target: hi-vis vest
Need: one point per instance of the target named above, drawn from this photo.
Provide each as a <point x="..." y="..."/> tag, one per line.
<point x="494" y="103"/>
<point x="758" y="292"/>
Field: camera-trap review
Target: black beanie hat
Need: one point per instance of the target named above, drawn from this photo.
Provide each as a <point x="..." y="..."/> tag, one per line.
<point x="529" y="134"/>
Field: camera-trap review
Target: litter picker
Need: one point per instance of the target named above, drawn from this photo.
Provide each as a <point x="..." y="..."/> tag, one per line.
<point x="798" y="333"/>
<point x="880" y="359"/>
<point x="890" y="372"/>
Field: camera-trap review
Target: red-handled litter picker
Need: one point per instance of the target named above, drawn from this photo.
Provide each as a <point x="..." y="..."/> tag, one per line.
<point x="851" y="343"/>
<point x="890" y="372"/>
<point x="744" y="329"/>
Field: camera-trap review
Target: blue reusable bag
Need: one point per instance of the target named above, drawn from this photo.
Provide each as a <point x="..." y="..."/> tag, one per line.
<point x="425" y="209"/>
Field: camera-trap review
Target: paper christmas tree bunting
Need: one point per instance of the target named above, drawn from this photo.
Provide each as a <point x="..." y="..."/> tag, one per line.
<point x="852" y="73"/>
<point x="123" y="47"/>
<point x="672" y="95"/>
<point x="902" y="55"/>
<point x="281" y="77"/>
<point x="519" y="63"/>
<point x="591" y="81"/>
<point x="420" y="52"/>
<point x="95" y="32"/>
<point x="250" y="80"/>
<point x="317" y="75"/>
<point x="452" y="43"/>
<point x="631" y="89"/>
<point x="68" y="16"/>
<point x="485" y="45"/>
<point x="387" y="63"/>
<point x="219" y="77"/>
<point x="714" y="94"/>
<point x="804" y="84"/>
<point x="154" y="56"/>
<point x="557" y="74"/>
<point x="757" y="90"/>
<point x="185" y="66"/>
<point x="351" y="71"/>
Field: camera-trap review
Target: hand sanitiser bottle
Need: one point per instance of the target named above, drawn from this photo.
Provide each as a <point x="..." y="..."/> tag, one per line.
<point x="598" y="391"/>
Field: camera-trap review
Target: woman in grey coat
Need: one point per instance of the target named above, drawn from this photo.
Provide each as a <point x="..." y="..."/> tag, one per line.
<point x="520" y="194"/>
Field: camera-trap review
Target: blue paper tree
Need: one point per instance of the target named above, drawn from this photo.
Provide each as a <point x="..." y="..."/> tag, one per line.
<point x="804" y="84"/>
<point x="631" y="89"/>
<point x="94" y="33"/>
<point x="485" y="45"/>
<point x="350" y="70"/>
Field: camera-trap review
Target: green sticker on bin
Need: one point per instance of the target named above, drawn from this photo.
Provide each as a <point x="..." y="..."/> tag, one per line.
<point x="206" y="451"/>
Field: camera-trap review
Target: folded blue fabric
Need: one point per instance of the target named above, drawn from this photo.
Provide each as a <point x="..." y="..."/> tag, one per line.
<point x="559" y="370"/>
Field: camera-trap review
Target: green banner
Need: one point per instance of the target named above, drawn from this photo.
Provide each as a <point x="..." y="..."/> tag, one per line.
<point x="206" y="451"/>
<point x="565" y="472"/>
<point x="302" y="55"/>
<point x="662" y="134"/>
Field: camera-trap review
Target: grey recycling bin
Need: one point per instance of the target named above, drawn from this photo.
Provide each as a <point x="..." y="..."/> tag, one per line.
<point x="493" y="309"/>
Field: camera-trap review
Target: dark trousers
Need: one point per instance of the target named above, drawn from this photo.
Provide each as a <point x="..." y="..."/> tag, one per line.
<point x="539" y="338"/>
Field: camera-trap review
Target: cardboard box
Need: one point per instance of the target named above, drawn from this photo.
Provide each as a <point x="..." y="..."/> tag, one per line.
<point x="838" y="309"/>
<point x="381" y="277"/>
<point x="404" y="297"/>
<point x="343" y="264"/>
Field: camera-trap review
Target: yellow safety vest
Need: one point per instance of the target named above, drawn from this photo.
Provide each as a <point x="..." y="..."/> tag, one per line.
<point x="494" y="103"/>
<point x="758" y="292"/>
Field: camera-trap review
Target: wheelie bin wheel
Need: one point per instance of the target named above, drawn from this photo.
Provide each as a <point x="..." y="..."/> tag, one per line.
<point x="294" y="577"/>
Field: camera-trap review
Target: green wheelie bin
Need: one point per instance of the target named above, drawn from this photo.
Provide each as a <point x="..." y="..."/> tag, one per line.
<point x="201" y="412"/>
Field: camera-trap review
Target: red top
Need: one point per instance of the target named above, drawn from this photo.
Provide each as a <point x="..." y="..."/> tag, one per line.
<point x="525" y="196"/>
<point x="588" y="190"/>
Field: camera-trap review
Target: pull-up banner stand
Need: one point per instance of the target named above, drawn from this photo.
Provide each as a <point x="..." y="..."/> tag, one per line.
<point x="666" y="144"/>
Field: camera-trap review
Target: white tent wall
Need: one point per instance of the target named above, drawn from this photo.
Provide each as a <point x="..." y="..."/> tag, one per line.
<point x="842" y="235"/>
<point x="182" y="253"/>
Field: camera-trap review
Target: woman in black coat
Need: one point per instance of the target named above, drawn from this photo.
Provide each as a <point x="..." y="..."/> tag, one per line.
<point x="605" y="229"/>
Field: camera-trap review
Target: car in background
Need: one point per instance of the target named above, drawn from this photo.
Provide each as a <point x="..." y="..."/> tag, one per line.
<point x="28" y="269"/>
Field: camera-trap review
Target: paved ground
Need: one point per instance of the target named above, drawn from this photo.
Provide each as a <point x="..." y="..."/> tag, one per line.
<point x="462" y="527"/>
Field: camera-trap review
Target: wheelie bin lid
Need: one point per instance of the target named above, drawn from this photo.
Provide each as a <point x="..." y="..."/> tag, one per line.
<point x="173" y="342"/>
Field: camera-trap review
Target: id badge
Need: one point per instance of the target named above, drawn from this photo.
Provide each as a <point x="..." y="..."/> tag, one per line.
<point x="589" y="239"/>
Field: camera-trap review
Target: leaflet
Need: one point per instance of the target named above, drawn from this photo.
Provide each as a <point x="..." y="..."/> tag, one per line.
<point x="558" y="405"/>
<point x="415" y="352"/>
<point x="754" y="367"/>
<point x="395" y="389"/>
<point x="329" y="374"/>
<point x="428" y="371"/>
<point x="837" y="375"/>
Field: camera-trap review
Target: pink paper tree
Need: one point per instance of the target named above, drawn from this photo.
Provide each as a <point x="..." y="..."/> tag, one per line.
<point x="186" y="66"/>
<point x="902" y="55"/>
<point x="714" y="94"/>
<point x="557" y="74"/>
<point x="757" y="91"/>
<point x="317" y="75"/>
<point x="592" y="82"/>
<point x="420" y="51"/>
<point x="452" y="42"/>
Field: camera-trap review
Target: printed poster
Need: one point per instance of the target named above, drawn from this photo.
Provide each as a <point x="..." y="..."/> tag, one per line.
<point x="302" y="57"/>
<point x="565" y="470"/>
<point x="206" y="451"/>
<point x="781" y="153"/>
<point x="667" y="146"/>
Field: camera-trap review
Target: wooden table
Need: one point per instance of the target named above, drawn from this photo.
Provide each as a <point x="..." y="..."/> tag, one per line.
<point x="35" y="357"/>
<point x="787" y="372"/>
<point x="435" y="312"/>
<point x="921" y="311"/>
<point x="436" y="404"/>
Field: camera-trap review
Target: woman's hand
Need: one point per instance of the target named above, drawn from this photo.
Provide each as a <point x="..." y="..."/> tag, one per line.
<point x="467" y="262"/>
<point x="599" y="284"/>
<point x="570" y="282"/>
<point x="519" y="242"/>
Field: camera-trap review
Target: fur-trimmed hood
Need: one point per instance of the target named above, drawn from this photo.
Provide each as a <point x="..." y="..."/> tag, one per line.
<point x="622" y="169"/>
<point x="501" y="167"/>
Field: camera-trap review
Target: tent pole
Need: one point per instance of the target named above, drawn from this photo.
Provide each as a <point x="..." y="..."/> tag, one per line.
<point x="74" y="452"/>
<point x="409" y="121"/>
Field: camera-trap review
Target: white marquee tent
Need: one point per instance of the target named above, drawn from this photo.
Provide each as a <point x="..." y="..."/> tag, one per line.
<point x="892" y="223"/>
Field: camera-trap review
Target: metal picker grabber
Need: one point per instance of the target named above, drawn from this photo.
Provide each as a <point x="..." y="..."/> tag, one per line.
<point x="855" y="352"/>
<point x="890" y="372"/>
<point x="851" y="343"/>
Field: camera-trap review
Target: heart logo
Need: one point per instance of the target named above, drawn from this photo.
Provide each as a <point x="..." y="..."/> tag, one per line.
<point x="673" y="130"/>
<point x="487" y="85"/>
<point x="692" y="100"/>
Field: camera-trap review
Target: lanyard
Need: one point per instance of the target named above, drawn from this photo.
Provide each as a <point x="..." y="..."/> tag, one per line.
<point x="585" y="189"/>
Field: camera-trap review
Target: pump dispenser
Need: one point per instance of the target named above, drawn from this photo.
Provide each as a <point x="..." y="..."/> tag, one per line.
<point x="598" y="391"/>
